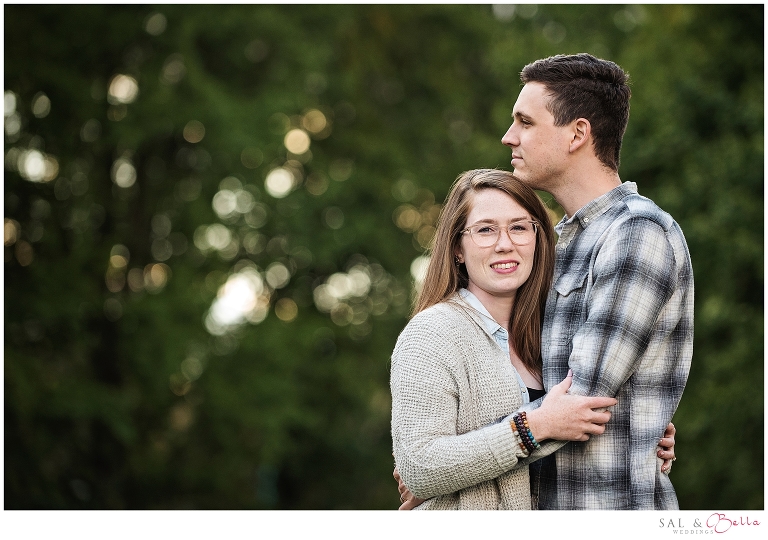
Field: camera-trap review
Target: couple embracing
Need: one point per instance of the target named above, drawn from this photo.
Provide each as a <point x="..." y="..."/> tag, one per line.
<point x="541" y="372"/>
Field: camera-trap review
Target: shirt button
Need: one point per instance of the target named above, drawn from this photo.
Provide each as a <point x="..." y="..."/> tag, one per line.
<point x="586" y="220"/>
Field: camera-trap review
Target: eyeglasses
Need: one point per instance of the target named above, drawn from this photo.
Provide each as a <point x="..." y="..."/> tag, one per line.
<point x="520" y="233"/>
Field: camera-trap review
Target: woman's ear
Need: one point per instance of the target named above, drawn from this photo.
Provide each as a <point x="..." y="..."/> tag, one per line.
<point x="458" y="256"/>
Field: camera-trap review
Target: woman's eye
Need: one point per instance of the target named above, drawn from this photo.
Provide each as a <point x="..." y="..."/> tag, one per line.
<point x="518" y="228"/>
<point x="486" y="230"/>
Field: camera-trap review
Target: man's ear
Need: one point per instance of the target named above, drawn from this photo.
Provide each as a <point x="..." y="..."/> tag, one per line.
<point x="582" y="132"/>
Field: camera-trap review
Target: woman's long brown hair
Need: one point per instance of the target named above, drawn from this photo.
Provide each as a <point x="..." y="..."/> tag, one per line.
<point x="444" y="277"/>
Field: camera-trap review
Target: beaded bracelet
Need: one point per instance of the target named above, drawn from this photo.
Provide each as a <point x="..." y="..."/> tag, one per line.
<point x="521" y="444"/>
<point x="523" y="430"/>
<point x="524" y="433"/>
<point x="528" y="430"/>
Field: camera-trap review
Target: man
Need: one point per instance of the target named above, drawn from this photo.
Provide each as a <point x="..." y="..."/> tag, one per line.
<point x="620" y="313"/>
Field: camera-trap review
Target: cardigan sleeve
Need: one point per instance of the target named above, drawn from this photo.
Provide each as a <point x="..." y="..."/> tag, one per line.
<point x="431" y="457"/>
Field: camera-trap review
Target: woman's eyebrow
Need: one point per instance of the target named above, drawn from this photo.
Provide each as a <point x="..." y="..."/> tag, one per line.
<point x="494" y="222"/>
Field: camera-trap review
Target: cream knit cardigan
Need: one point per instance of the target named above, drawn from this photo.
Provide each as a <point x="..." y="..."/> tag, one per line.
<point x="451" y="383"/>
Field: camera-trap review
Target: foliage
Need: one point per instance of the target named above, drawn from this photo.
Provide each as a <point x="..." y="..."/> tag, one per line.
<point x="124" y="390"/>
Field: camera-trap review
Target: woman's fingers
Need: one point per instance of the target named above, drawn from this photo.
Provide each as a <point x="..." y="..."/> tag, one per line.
<point x="667" y="443"/>
<point x="411" y="503"/>
<point x="666" y="455"/>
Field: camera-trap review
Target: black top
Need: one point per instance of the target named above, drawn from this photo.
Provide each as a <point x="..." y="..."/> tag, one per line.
<point x="534" y="394"/>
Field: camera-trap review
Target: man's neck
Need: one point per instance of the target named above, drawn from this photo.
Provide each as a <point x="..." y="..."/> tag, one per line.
<point x="584" y="186"/>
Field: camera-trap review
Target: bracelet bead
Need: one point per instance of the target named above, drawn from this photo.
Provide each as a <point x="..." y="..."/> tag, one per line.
<point x="520" y="444"/>
<point x="534" y="443"/>
<point x="524" y="433"/>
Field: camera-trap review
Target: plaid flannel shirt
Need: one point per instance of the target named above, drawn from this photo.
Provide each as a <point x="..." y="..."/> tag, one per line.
<point x="620" y="315"/>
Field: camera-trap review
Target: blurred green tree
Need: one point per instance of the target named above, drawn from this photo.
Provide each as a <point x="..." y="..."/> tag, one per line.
<point x="212" y="212"/>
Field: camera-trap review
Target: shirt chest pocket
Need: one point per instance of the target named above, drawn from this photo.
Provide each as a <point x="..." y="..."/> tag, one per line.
<point x="571" y="284"/>
<point x="570" y="303"/>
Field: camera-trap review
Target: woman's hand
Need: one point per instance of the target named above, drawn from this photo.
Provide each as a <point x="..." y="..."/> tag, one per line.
<point x="667" y="448"/>
<point x="409" y="500"/>
<point x="569" y="418"/>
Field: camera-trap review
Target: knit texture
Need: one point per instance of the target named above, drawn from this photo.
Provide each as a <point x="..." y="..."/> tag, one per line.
<point x="453" y="392"/>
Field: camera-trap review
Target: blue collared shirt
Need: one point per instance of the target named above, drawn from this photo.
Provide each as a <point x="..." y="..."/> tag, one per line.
<point x="499" y="333"/>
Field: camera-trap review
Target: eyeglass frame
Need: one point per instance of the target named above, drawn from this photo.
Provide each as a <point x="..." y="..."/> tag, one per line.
<point x="509" y="235"/>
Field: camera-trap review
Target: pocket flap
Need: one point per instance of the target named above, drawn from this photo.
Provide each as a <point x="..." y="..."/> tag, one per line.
<point x="569" y="282"/>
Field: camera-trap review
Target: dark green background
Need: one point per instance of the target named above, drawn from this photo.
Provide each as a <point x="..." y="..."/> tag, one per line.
<point x="101" y="410"/>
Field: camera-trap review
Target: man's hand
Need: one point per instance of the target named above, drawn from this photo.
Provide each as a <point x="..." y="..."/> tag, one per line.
<point x="408" y="500"/>
<point x="667" y="448"/>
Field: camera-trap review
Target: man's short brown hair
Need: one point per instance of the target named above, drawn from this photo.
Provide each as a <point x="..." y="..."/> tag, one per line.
<point x="582" y="86"/>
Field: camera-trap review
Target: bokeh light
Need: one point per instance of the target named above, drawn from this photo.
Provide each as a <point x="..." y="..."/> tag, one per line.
<point x="351" y="297"/>
<point x="24" y="253"/>
<point x="224" y="203"/>
<point x="11" y="230"/>
<point x="279" y="183"/>
<point x="155" y="24"/>
<point x="314" y="121"/>
<point x="504" y="12"/>
<point x="135" y="279"/>
<point x="316" y="184"/>
<point x="91" y="130"/>
<point x="286" y="309"/>
<point x="333" y="217"/>
<point x="119" y="256"/>
<point x="419" y="270"/>
<point x="278" y="275"/>
<point x="194" y="131"/>
<point x="192" y="368"/>
<point x="296" y="141"/>
<point x="228" y="203"/>
<point x="37" y="166"/>
<point x="12" y="118"/>
<point x="41" y="105"/>
<point x="156" y="277"/>
<point x="341" y="169"/>
<point x="243" y="298"/>
<point x="123" y="173"/>
<point x="9" y="103"/>
<point x="123" y="89"/>
<point x="173" y="69"/>
<point x="419" y="220"/>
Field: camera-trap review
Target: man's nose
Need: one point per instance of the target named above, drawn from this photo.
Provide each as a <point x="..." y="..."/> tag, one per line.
<point x="509" y="138"/>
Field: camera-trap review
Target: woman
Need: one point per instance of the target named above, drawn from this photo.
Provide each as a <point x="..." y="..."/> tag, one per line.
<point x="470" y="356"/>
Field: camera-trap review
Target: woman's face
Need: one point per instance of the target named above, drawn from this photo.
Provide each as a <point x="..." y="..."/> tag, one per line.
<point x="498" y="270"/>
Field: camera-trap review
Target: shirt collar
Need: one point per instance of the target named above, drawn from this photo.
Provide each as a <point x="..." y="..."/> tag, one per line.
<point x="490" y="324"/>
<point x="597" y="207"/>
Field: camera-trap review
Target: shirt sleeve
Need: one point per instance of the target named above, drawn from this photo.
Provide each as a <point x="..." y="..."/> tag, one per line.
<point x="633" y="277"/>
<point x="431" y="457"/>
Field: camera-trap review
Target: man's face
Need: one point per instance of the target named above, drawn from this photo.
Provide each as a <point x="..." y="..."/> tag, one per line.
<point x="539" y="148"/>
